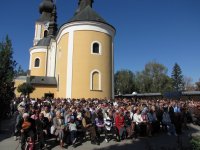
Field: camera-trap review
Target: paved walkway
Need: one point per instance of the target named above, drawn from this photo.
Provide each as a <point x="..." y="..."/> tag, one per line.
<point x="157" y="142"/>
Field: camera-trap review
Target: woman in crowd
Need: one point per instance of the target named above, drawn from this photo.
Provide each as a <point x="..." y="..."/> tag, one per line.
<point x="119" y="123"/>
<point x="88" y="126"/>
<point x="58" y="123"/>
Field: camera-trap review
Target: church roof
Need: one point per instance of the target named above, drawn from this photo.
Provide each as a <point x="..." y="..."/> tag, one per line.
<point x="42" y="80"/>
<point x="46" y="7"/>
<point x="87" y="14"/>
<point x="44" y="42"/>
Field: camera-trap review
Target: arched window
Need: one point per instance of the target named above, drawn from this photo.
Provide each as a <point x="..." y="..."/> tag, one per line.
<point x="95" y="80"/>
<point x="96" y="48"/>
<point x="45" y="33"/>
<point x="37" y="62"/>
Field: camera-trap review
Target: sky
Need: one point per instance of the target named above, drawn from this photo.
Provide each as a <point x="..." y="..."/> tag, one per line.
<point x="165" y="31"/>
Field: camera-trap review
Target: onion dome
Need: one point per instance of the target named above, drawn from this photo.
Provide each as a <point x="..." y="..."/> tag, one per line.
<point x="46" y="6"/>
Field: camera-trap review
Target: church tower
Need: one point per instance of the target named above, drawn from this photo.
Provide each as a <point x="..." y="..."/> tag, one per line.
<point x="85" y="63"/>
<point x="75" y="61"/>
<point x="45" y="31"/>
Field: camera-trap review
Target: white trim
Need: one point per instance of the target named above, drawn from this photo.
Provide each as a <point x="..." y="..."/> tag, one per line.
<point x="38" y="49"/>
<point x="85" y="25"/>
<point x="91" y="79"/>
<point x="113" y="94"/>
<point x="70" y="64"/>
<point x="30" y="62"/>
<point x="100" y="48"/>
<point x="51" y="59"/>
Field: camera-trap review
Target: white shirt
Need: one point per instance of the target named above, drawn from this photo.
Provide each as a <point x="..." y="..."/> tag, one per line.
<point x="137" y="118"/>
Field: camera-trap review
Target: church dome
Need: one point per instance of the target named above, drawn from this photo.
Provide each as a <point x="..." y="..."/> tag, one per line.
<point x="46" y="6"/>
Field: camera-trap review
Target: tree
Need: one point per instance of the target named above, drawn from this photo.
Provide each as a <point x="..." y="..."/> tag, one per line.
<point x="197" y="85"/>
<point x="153" y="78"/>
<point x="20" y="72"/>
<point x="7" y="67"/>
<point x="25" y="89"/>
<point x="177" y="78"/>
<point x="124" y="82"/>
<point x="189" y="86"/>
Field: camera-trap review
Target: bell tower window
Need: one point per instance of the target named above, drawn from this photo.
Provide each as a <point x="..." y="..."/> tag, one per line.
<point x="37" y="62"/>
<point x="45" y="33"/>
<point x="96" y="48"/>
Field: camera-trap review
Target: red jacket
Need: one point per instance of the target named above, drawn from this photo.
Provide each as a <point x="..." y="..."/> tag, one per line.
<point x="119" y="121"/>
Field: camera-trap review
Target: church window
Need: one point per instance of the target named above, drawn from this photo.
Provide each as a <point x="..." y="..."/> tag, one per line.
<point x="95" y="80"/>
<point x="96" y="48"/>
<point x="45" y="33"/>
<point x="37" y="62"/>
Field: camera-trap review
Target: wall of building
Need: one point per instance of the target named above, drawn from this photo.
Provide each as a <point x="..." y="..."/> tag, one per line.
<point x="84" y="63"/>
<point x="41" y="70"/>
<point x="61" y="65"/>
<point x="40" y="91"/>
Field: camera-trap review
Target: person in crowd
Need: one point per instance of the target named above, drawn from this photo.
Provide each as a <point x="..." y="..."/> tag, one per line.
<point x="167" y="121"/>
<point x="18" y="122"/>
<point x="119" y="123"/>
<point x="41" y="127"/>
<point x="58" y="123"/>
<point x="99" y="122"/>
<point x="109" y="121"/>
<point x="128" y="124"/>
<point x="73" y="131"/>
<point x="27" y="130"/>
<point x="89" y="126"/>
<point x="137" y="119"/>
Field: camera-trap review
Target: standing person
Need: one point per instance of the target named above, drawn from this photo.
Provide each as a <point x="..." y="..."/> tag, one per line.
<point x="167" y="121"/>
<point x="27" y="130"/>
<point x="19" y="120"/>
<point x="41" y="127"/>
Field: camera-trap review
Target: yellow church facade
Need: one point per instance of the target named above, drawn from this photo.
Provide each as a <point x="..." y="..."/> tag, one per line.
<point x="75" y="61"/>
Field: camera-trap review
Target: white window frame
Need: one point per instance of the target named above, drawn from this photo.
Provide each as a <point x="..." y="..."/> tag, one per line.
<point x="91" y="80"/>
<point x="100" y="48"/>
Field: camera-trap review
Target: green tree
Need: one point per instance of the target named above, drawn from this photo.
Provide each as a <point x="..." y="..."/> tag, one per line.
<point x="153" y="78"/>
<point x="20" y="72"/>
<point x="26" y="89"/>
<point x="177" y="78"/>
<point x="124" y="82"/>
<point x="7" y="67"/>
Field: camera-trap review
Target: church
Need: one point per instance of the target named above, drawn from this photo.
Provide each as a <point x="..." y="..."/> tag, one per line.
<point x="74" y="61"/>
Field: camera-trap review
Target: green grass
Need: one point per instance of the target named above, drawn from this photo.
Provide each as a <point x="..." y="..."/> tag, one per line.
<point x="196" y="143"/>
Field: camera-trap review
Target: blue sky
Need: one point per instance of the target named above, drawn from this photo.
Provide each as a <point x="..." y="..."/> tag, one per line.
<point x="166" y="31"/>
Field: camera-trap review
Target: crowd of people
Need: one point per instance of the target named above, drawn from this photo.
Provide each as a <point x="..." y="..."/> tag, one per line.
<point x="70" y="121"/>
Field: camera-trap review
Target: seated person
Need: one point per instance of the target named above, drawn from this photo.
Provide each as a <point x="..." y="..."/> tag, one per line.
<point x="58" y="123"/>
<point x="88" y="126"/>
<point x="99" y="122"/>
<point x="119" y="123"/>
<point x="128" y="124"/>
<point x="108" y="121"/>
